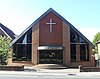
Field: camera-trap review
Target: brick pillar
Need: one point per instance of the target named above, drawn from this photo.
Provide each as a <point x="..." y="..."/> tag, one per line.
<point x="77" y="52"/>
<point x="35" y="43"/>
<point x="91" y="56"/>
<point x="66" y="44"/>
<point x="10" y="56"/>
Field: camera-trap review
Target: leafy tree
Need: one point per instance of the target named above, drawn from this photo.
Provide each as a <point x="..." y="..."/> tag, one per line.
<point x="95" y="40"/>
<point x="4" y="45"/>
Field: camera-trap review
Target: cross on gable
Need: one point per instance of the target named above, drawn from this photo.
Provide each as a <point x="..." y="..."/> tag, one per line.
<point x="51" y="23"/>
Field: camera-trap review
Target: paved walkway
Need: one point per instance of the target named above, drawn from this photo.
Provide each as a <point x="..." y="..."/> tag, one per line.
<point x="30" y="71"/>
<point x="65" y="70"/>
<point x="41" y="74"/>
<point x="59" y="70"/>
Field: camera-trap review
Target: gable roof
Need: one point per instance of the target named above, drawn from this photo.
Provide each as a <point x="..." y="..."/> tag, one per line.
<point x="63" y="19"/>
<point x="7" y="31"/>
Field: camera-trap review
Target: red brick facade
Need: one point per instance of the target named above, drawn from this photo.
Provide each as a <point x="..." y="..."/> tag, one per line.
<point x="60" y="36"/>
<point x="50" y="38"/>
<point x="35" y="43"/>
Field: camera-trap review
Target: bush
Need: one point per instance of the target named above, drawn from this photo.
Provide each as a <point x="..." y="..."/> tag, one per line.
<point x="4" y="45"/>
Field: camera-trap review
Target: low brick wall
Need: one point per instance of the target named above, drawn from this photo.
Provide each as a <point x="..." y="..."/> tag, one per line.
<point x="12" y="68"/>
<point x="90" y="69"/>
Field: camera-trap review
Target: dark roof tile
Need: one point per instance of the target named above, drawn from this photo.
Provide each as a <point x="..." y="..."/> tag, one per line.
<point x="8" y="31"/>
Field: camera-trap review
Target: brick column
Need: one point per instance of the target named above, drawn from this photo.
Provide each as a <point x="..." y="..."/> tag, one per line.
<point x="10" y="56"/>
<point x="35" y="43"/>
<point x="66" y="44"/>
<point x="77" y="52"/>
<point x="92" y="60"/>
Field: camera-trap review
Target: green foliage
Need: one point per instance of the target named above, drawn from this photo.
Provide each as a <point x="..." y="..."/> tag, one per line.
<point x="4" y="45"/>
<point x="95" y="40"/>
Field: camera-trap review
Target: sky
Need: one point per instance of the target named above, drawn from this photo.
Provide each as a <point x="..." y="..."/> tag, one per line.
<point x="17" y="15"/>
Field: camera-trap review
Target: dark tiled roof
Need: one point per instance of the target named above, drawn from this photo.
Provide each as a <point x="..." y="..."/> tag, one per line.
<point x="63" y="19"/>
<point x="8" y="31"/>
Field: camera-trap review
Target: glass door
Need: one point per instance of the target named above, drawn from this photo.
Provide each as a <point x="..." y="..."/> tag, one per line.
<point x="51" y="57"/>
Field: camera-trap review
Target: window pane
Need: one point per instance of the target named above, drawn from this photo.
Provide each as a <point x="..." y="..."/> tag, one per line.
<point x="22" y="52"/>
<point x="72" y="37"/>
<point x="75" y="39"/>
<point x="84" y="52"/>
<point x="81" y="40"/>
<point x="73" y="52"/>
<point x="22" y="48"/>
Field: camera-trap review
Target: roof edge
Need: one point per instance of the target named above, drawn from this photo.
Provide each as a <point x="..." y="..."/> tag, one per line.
<point x="6" y="33"/>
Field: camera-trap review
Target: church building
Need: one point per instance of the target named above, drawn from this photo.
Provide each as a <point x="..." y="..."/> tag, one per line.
<point x="51" y="39"/>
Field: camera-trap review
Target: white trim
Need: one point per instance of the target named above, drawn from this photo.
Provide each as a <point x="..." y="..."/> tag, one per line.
<point x="5" y="33"/>
<point x="50" y="48"/>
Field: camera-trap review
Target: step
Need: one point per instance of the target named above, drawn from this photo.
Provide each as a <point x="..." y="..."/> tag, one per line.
<point x="50" y="66"/>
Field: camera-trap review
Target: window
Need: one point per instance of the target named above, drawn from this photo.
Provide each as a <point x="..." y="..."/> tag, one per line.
<point x="22" y="48"/>
<point x="73" y="52"/>
<point x="84" y="54"/>
<point x="73" y="45"/>
<point x="75" y="39"/>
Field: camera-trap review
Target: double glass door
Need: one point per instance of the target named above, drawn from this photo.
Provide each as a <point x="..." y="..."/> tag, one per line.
<point x="51" y="57"/>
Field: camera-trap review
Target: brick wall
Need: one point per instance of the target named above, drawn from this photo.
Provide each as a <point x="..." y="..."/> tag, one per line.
<point x="92" y="59"/>
<point x="47" y="37"/>
<point x="35" y="43"/>
<point x="10" y="56"/>
<point x="90" y="63"/>
<point x="66" y="44"/>
<point x="60" y="35"/>
<point x="77" y="52"/>
<point x="66" y="51"/>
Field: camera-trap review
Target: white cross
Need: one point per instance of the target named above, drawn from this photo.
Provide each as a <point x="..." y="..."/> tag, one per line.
<point x="51" y="23"/>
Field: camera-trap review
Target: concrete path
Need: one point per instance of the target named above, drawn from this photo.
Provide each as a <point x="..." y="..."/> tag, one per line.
<point x="30" y="71"/>
<point x="41" y="74"/>
<point x="52" y="70"/>
<point x="59" y="70"/>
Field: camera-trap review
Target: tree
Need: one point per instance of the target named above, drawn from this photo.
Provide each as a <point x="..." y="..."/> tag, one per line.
<point x="4" y="46"/>
<point x="95" y="40"/>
